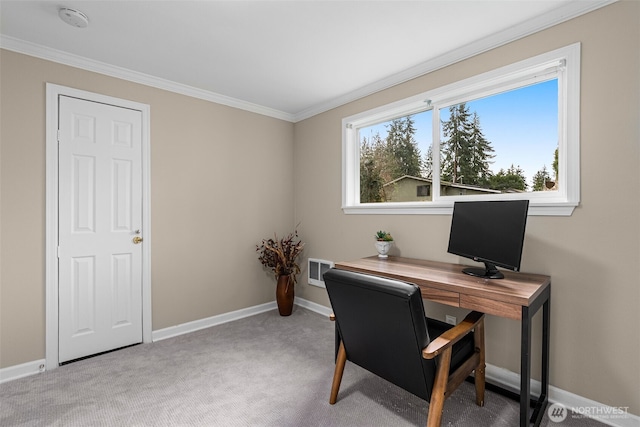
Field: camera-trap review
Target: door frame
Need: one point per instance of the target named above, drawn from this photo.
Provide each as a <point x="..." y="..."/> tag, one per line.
<point x="51" y="240"/>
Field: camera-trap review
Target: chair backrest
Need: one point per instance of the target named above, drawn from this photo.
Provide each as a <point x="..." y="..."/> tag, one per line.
<point x="383" y="327"/>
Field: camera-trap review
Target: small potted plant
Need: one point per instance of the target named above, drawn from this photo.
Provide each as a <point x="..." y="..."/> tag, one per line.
<point x="280" y="255"/>
<point x="383" y="243"/>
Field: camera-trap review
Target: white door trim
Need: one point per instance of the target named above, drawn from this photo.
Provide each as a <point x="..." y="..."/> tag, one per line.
<point x="51" y="242"/>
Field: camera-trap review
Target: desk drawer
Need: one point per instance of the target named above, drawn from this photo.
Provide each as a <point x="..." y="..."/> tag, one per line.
<point x="443" y="297"/>
<point x="488" y="306"/>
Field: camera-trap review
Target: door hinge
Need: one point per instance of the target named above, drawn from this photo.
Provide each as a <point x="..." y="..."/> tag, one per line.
<point x="58" y="252"/>
<point x="58" y="136"/>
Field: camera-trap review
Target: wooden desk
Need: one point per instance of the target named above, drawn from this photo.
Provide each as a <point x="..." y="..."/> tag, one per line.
<point x="518" y="296"/>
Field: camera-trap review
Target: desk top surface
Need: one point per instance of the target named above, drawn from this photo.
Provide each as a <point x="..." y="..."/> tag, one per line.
<point x="515" y="288"/>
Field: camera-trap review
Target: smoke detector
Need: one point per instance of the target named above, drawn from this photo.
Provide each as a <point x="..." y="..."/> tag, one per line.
<point x="73" y="17"/>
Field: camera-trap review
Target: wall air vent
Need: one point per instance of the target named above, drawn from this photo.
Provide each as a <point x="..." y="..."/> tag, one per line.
<point x="315" y="269"/>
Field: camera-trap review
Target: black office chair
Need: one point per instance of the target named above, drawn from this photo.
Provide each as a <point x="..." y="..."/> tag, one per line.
<point x="382" y="327"/>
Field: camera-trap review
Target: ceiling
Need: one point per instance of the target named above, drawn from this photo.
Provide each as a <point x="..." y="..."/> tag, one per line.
<point x="286" y="59"/>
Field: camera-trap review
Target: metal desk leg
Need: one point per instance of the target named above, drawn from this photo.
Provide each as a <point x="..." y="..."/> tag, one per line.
<point x="525" y="367"/>
<point x="540" y="403"/>
<point x="546" y="338"/>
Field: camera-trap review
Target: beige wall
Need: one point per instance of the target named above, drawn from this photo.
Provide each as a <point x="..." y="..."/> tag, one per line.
<point x="221" y="179"/>
<point x="593" y="256"/>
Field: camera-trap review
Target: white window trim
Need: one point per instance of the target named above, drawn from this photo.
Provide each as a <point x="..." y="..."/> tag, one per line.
<point x="561" y="202"/>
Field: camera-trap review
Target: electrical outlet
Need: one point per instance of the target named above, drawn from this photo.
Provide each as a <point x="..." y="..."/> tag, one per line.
<point x="450" y="319"/>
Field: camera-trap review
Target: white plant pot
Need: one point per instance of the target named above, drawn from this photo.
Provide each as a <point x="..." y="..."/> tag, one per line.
<point x="383" y="248"/>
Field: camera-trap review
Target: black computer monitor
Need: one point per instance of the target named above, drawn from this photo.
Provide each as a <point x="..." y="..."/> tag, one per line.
<point x="491" y="232"/>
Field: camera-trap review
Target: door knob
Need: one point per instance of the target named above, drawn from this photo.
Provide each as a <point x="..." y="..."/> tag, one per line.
<point x="137" y="240"/>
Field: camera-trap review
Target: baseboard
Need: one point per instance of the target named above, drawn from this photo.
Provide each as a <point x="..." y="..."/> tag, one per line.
<point x="196" y="325"/>
<point x="37" y="366"/>
<point x="581" y="407"/>
<point x="320" y="309"/>
<point x="20" y="371"/>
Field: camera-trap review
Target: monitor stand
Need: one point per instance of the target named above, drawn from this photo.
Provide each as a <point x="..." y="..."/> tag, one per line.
<point x="489" y="271"/>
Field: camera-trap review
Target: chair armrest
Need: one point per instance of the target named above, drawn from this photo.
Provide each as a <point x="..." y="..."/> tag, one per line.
<point x="453" y="335"/>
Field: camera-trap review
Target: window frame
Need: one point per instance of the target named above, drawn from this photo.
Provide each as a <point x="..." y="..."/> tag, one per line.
<point x="563" y="64"/>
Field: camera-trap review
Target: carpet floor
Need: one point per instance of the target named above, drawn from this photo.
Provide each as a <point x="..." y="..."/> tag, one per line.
<point x="264" y="370"/>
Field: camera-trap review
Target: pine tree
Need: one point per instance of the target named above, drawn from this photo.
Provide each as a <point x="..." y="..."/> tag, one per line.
<point x="466" y="155"/>
<point x="456" y="150"/>
<point x="371" y="181"/>
<point x="479" y="172"/>
<point x="540" y="178"/>
<point x="403" y="148"/>
<point x="383" y="160"/>
<point x="512" y="179"/>
<point x="427" y="164"/>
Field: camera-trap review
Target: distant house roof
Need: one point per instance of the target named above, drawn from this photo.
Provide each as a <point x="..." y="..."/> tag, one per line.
<point x="444" y="184"/>
<point x="417" y="178"/>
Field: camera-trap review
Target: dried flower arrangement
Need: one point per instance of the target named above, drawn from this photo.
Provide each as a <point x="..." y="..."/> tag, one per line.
<point x="383" y="236"/>
<point x="281" y="255"/>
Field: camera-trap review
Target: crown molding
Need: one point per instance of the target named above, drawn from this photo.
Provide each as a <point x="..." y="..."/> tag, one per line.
<point x="49" y="54"/>
<point x="569" y="11"/>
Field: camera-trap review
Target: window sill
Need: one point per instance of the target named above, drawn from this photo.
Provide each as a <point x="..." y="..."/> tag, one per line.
<point x="446" y="208"/>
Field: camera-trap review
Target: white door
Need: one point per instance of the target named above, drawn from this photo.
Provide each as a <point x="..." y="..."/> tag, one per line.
<point x="99" y="222"/>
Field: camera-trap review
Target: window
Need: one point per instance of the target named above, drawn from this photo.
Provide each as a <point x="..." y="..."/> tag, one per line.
<point x="423" y="190"/>
<point x="511" y="133"/>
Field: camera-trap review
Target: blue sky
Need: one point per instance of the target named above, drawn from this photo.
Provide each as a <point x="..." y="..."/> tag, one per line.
<point x="522" y="126"/>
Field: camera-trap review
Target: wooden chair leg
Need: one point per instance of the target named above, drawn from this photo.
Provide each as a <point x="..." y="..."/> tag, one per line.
<point x="478" y="338"/>
<point x="337" y="375"/>
<point x="436" y="405"/>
